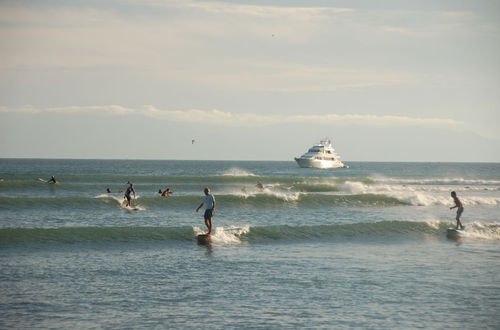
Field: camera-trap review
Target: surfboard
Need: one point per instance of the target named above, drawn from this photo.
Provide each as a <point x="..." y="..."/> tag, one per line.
<point x="204" y="239"/>
<point x="42" y="180"/>
<point x="453" y="232"/>
<point x="131" y="208"/>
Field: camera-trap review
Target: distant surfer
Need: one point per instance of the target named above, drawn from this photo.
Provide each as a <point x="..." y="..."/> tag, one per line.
<point x="52" y="180"/>
<point x="209" y="202"/>
<point x="128" y="194"/>
<point x="460" y="209"/>
<point x="165" y="192"/>
<point x="108" y="190"/>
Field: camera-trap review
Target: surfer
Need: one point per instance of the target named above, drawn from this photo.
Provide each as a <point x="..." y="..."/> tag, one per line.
<point x="460" y="208"/>
<point x="52" y="180"/>
<point x="209" y="202"/>
<point x="128" y="194"/>
<point x="166" y="192"/>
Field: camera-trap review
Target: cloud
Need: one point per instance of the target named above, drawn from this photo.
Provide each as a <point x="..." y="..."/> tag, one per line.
<point x="232" y="119"/>
<point x="262" y="11"/>
<point x="211" y="45"/>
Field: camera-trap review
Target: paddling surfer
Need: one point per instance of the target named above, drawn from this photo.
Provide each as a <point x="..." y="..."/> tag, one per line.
<point x="209" y="202"/>
<point x="166" y="192"/>
<point x="460" y="209"/>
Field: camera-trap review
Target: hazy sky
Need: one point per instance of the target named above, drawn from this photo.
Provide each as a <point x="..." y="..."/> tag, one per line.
<point x="385" y="80"/>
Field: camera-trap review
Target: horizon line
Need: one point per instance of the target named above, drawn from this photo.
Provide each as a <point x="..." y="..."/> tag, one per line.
<point x="245" y="160"/>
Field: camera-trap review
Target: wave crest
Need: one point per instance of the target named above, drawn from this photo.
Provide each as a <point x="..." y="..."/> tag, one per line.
<point x="237" y="172"/>
<point x="235" y="235"/>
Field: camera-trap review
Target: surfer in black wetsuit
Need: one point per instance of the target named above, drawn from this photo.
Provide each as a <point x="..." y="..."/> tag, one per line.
<point x="128" y="194"/>
<point x="52" y="180"/>
<point x="460" y="210"/>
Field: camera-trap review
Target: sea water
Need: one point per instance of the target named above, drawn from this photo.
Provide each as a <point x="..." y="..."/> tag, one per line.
<point x="363" y="247"/>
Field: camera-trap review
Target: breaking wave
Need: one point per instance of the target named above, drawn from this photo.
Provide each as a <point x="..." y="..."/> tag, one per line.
<point x="438" y="181"/>
<point x="358" y="197"/>
<point x="227" y="201"/>
<point x="237" y="172"/>
<point x="245" y="234"/>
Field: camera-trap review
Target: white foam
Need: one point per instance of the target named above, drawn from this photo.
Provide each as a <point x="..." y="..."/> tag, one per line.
<point x="482" y="231"/>
<point x="221" y="235"/>
<point x="436" y="181"/>
<point x="269" y="190"/>
<point x="285" y="196"/>
<point x="418" y="195"/>
<point x="134" y="208"/>
<point x="236" y="171"/>
<point x="354" y="187"/>
<point x="433" y="223"/>
<point x="121" y="202"/>
<point x="110" y="197"/>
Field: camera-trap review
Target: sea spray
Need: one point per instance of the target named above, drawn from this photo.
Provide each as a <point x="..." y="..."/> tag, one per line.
<point x="228" y="235"/>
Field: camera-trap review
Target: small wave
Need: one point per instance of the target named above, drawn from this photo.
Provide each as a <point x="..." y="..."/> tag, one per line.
<point x="110" y="198"/>
<point x="52" y="202"/>
<point x="349" y="231"/>
<point x="415" y="196"/>
<point x="238" y="172"/>
<point x="482" y="231"/>
<point x="437" y="181"/>
<point x="311" y="187"/>
<point x="377" y="230"/>
<point x="349" y="195"/>
<point x="93" y="234"/>
<point x="222" y="235"/>
<point x="236" y="235"/>
<point x="257" y="200"/>
<point x="423" y="199"/>
<point x="120" y="202"/>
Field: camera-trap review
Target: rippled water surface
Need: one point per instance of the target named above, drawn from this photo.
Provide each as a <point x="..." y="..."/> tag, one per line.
<point x="364" y="247"/>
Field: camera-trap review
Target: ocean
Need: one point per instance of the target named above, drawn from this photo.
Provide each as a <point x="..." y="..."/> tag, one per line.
<point x="362" y="247"/>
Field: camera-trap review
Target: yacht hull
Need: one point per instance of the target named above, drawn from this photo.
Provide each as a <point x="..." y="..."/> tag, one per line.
<point x="315" y="163"/>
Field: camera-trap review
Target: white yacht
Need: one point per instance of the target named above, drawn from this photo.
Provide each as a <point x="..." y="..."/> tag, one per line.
<point x="321" y="155"/>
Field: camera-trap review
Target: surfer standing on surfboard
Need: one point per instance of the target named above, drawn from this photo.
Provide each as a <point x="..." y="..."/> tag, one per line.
<point x="209" y="202"/>
<point x="460" y="209"/>
<point x="128" y="194"/>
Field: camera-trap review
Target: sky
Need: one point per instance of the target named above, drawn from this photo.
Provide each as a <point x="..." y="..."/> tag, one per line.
<point x="389" y="80"/>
